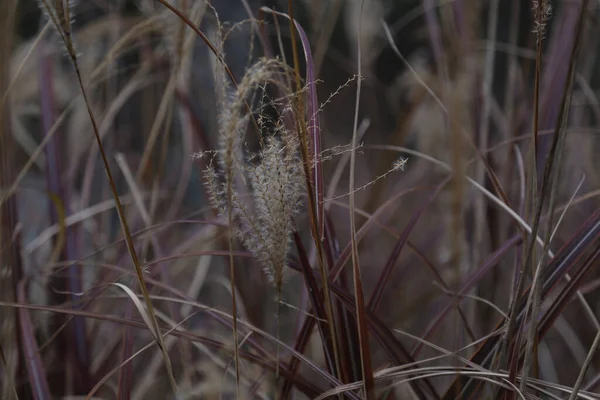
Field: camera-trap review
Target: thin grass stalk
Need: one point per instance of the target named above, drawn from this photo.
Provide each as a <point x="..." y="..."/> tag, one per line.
<point x="363" y="335"/>
<point x="532" y="345"/>
<point x="532" y="193"/>
<point x="484" y="132"/>
<point x="531" y="198"/>
<point x="126" y="372"/>
<point x="539" y="6"/>
<point x="10" y="256"/>
<point x="585" y="367"/>
<point x="59" y="13"/>
<point x="590" y="238"/>
<point x="509" y="104"/>
<point x="554" y="153"/>
<point x="126" y="232"/>
<point x="236" y="350"/>
<point x="534" y="299"/>
<point x="540" y="11"/>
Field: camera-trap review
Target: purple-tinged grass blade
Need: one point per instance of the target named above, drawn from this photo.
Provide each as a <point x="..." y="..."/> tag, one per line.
<point x="435" y="35"/>
<point x="316" y="299"/>
<point x="340" y="259"/>
<point x="302" y="384"/>
<point x="554" y="270"/>
<point x="350" y="358"/>
<point x="301" y="343"/>
<point x="386" y="338"/>
<point x="569" y="253"/>
<point x="377" y="295"/>
<point x="475" y="278"/>
<point x="54" y="174"/>
<point x="33" y="362"/>
<point x="363" y="230"/>
<point x="572" y="285"/>
<point x="126" y="371"/>
<point x="394" y="349"/>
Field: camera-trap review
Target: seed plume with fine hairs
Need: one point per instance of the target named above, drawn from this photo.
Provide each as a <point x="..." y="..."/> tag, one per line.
<point x="61" y="13"/>
<point x="272" y="175"/>
<point x="542" y="11"/>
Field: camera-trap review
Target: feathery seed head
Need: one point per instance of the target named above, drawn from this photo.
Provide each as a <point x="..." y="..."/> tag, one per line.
<point x="399" y="164"/>
<point x="61" y="13"/>
<point x="542" y="11"/>
<point x="272" y="176"/>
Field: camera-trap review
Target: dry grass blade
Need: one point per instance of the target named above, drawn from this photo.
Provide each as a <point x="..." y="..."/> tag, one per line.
<point x="585" y="366"/>
<point x="499" y="379"/>
<point x="140" y="307"/>
<point x="363" y="335"/>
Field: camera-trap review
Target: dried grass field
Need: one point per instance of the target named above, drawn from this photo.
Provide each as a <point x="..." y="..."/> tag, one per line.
<point x="299" y="199"/>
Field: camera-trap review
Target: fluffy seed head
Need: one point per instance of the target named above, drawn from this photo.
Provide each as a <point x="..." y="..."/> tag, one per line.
<point x="272" y="176"/>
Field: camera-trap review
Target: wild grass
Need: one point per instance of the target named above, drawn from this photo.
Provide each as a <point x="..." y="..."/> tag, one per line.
<point x="363" y="200"/>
